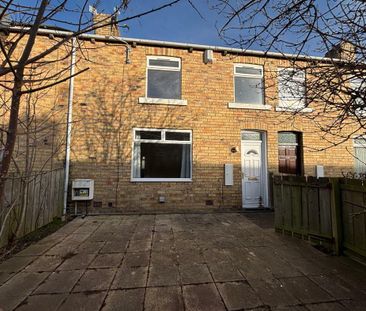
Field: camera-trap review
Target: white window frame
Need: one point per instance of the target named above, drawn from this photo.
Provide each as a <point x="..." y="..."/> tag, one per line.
<point x="292" y="105"/>
<point x="356" y="145"/>
<point x="172" y="101"/>
<point x="161" y="141"/>
<point x="355" y="83"/>
<point x="258" y="106"/>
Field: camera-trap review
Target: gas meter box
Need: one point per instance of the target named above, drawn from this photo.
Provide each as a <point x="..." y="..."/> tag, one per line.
<point x="82" y="189"/>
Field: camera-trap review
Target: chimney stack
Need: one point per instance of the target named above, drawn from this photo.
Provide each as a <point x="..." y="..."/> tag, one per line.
<point x="343" y="50"/>
<point x="108" y="23"/>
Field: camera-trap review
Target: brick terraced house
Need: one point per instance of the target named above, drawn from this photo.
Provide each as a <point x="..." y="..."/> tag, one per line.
<point x="177" y="126"/>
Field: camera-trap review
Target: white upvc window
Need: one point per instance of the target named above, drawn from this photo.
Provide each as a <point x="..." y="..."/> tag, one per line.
<point x="161" y="155"/>
<point x="163" y="81"/>
<point x="359" y="145"/>
<point x="357" y="95"/>
<point x="248" y="87"/>
<point x="291" y="89"/>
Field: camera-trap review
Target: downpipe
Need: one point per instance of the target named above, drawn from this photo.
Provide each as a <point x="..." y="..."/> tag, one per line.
<point x="69" y="125"/>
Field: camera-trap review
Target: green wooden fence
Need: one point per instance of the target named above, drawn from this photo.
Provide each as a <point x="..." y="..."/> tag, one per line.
<point x="328" y="211"/>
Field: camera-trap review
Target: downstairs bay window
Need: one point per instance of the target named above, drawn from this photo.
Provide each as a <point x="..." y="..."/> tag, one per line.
<point x="162" y="155"/>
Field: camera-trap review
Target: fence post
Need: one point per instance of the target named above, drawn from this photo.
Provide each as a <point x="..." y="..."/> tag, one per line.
<point x="336" y="213"/>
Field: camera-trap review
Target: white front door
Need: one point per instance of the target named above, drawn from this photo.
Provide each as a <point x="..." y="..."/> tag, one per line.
<point x="254" y="186"/>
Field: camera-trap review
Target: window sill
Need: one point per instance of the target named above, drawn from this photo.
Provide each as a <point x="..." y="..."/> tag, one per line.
<point x="161" y="180"/>
<point x="249" y="106"/>
<point x="162" y="101"/>
<point x="290" y="109"/>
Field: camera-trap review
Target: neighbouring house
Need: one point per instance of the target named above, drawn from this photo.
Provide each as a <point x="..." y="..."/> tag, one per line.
<point x="165" y="125"/>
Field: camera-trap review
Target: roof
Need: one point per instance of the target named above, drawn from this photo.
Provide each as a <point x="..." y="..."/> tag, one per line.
<point x="158" y="43"/>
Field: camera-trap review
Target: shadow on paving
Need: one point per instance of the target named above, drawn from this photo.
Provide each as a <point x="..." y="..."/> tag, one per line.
<point x="229" y="261"/>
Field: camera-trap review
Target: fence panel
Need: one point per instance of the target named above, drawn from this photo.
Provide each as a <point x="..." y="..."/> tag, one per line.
<point x="29" y="206"/>
<point x="330" y="210"/>
<point x="353" y="198"/>
<point x="302" y="206"/>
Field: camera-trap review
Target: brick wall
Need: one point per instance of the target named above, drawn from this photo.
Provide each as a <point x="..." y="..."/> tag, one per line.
<point x="106" y="109"/>
<point x="111" y="110"/>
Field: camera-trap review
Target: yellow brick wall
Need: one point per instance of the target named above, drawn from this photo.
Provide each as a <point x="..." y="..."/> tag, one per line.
<point x="106" y="109"/>
<point x="109" y="93"/>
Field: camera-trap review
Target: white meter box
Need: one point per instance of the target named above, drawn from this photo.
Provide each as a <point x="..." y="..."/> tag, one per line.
<point x="82" y="189"/>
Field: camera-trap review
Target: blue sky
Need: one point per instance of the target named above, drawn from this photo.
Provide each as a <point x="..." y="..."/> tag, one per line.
<point x="177" y="23"/>
<point x="180" y="22"/>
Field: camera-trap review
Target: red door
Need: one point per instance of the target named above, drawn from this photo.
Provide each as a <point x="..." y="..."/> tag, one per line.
<point x="288" y="160"/>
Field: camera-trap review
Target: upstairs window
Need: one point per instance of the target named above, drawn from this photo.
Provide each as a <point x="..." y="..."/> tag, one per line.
<point x="248" y="84"/>
<point x="291" y="88"/>
<point x="162" y="155"/>
<point x="289" y="153"/>
<point x="164" y="77"/>
<point x="357" y="95"/>
<point x="359" y="144"/>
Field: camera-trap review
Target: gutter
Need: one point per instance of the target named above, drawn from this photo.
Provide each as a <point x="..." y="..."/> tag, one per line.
<point x="69" y="125"/>
<point x="171" y="44"/>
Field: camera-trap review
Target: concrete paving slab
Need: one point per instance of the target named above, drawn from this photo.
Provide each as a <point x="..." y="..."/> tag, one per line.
<point x="130" y="277"/>
<point x="126" y="300"/>
<point x="54" y="238"/>
<point x="42" y="302"/>
<point x="328" y="306"/>
<point x="305" y="290"/>
<point x="107" y="261"/>
<point x="225" y="272"/>
<point x="90" y="247"/>
<point x="215" y="255"/>
<point x="16" y="264"/>
<point x="253" y="267"/>
<point x="44" y="263"/>
<point x="35" y="250"/>
<point x="290" y="308"/>
<point x="114" y="247"/>
<point x="62" y="249"/>
<point x="143" y="234"/>
<point x="278" y="267"/>
<point x="5" y="276"/>
<point x="337" y="287"/>
<point x="354" y="305"/>
<point x="164" y="298"/>
<point x="93" y="280"/>
<point x="77" y="262"/>
<point x="272" y="292"/>
<point x="195" y="274"/>
<point x="15" y="291"/>
<point x="134" y="260"/>
<point x="59" y="282"/>
<point x="83" y="302"/>
<point x="163" y="245"/>
<point x="202" y="297"/>
<point x="163" y="275"/>
<point x="139" y="245"/>
<point x="308" y="266"/>
<point x="163" y="258"/>
<point x="185" y="257"/>
<point x="76" y="238"/>
<point x="238" y="295"/>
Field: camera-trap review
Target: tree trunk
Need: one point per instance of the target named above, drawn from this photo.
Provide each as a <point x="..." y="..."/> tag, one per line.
<point x="11" y="135"/>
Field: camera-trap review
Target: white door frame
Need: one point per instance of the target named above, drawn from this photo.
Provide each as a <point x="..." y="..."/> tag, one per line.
<point x="264" y="164"/>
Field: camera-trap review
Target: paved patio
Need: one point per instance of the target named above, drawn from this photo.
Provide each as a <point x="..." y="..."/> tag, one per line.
<point x="178" y="262"/>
